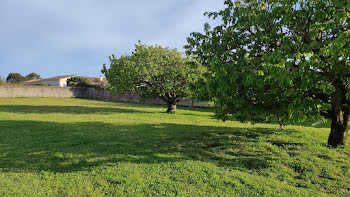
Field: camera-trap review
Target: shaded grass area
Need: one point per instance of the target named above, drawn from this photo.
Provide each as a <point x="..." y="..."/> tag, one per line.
<point x="84" y="147"/>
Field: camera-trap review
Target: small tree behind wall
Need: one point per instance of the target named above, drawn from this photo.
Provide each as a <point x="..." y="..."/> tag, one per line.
<point x="154" y="72"/>
<point x="15" y="78"/>
<point x="32" y="76"/>
<point x="78" y="82"/>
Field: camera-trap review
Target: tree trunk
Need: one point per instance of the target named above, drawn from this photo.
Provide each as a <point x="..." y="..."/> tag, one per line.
<point x="280" y="122"/>
<point x="171" y="108"/>
<point x="340" y="119"/>
<point x="338" y="133"/>
<point x="339" y="129"/>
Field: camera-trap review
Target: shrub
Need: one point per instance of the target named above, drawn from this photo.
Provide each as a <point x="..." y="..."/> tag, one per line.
<point x="78" y="82"/>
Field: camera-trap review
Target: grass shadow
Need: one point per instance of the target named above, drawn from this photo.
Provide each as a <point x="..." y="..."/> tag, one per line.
<point x="34" y="146"/>
<point x="42" y="109"/>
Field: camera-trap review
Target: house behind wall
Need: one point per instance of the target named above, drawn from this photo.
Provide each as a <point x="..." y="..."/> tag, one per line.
<point x="61" y="81"/>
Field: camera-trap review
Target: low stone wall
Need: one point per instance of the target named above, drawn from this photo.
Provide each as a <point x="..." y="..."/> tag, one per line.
<point x="13" y="91"/>
<point x="101" y="94"/>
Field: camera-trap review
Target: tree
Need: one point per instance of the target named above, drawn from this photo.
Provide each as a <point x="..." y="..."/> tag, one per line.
<point x="15" y="78"/>
<point x="32" y="76"/>
<point x="154" y="71"/>
<point x="295" y="54"/>
<point x="78" y="82"/>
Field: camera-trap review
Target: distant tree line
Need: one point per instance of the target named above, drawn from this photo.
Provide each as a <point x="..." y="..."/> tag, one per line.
<point x="18" y="78"/>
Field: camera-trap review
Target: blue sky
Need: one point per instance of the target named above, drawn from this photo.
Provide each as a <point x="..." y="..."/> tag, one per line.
<point x="57" y="37"/>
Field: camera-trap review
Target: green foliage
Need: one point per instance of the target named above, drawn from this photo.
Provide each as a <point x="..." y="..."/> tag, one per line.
<point x="15" y="78"/>
<point x="78" y="82"/>
<point x="281" y="59"/>
<point x="32" y="76"/>
<point x="79" y="147"/>
<point x="154" y="71"/>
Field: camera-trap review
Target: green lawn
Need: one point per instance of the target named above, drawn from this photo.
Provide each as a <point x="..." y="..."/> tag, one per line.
<point x="75" y="147"/>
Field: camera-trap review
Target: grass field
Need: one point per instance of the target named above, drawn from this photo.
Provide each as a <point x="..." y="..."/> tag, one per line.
<point x="74" y="147"/>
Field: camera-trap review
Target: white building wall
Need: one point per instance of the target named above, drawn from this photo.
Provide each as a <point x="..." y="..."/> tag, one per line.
<point x="57" y="82"/>
<point x="63" y="82"/>
<point x="52" y="82"/>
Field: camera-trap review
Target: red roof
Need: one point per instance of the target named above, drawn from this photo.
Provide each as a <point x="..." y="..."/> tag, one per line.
<point x="51" y="78"/>
<point x="60" y="77"/>
<point x="34" y="80"/>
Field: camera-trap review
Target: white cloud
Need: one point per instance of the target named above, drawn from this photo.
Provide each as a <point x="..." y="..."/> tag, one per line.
<point x="48" y="34"/>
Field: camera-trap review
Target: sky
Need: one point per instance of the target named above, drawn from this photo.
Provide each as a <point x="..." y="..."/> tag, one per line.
<point x="59" y="37"/>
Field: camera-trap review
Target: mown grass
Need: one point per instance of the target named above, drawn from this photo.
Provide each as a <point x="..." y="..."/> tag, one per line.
<point x="75" y="147"/>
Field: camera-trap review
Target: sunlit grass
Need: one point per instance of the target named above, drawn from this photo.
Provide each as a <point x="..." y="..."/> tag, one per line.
<point x="81" y="147"/>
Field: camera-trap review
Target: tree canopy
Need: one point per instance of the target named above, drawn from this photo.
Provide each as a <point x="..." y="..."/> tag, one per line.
<point x="78" y="82"/>
<point x="284" y="59"/>
<point x="15" y="78"/>
<point x="32" y="76"/>
<point x="154" y="72"/>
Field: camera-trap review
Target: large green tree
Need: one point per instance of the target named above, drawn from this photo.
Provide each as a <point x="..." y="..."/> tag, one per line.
<point x="154" y="72"/>
<point x="288" y="59"/>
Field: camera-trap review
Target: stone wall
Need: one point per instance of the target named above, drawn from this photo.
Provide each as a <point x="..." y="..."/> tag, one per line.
<point x="101" y="94"/>
<point x="13" y="91"/>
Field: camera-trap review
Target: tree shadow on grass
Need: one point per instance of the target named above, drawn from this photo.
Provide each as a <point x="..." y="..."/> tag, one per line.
<point x="42" y="109"/>
<point x="34" y="146"/>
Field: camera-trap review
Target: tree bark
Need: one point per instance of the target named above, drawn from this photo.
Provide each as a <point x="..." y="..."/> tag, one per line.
<point x="171" y="108"/>
<point x="340" y="119"/>
<point x="338" y="134"/>
<point x="339" y="129"/>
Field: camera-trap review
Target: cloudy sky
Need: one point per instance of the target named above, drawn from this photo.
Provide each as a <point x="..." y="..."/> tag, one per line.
<point x="57" y="37"/>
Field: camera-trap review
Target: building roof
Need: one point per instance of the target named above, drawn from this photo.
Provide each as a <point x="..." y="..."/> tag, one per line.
<point x="33" y="81"/>
<point x="93" y="80"/>
<point x="97" y="79"/>
<point x="49" y="79"/>
<point x="60" y="77"/>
